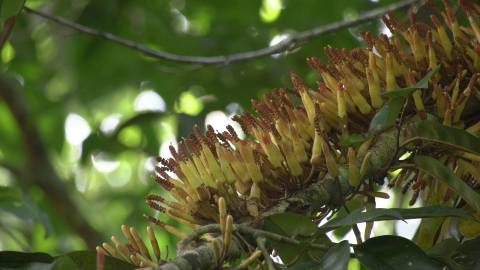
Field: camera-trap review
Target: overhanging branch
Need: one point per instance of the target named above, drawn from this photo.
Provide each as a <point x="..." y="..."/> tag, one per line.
<point x="293" y="41"/>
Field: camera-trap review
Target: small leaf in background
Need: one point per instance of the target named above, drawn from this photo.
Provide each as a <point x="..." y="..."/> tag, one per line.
<point x="387" y="115"/>
<point x="431" y="130"/>
<point x="377" y="214"/>
<point x="468" y="254"/>
<point x="395" y="253"/>
<point x="351" y="139"/>
<point x="405" y="92"/>
<point x="436" y="169"/>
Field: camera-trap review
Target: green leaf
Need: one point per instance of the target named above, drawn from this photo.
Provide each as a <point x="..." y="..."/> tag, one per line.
<point x="431" y="130"/>
<point x="392" y="252"/>
<point x="444" y="251"/>
<point x="336" y="258"/>
<point x="297" y="226"/>
<point x="387" y="115"/>
<point x="442" y="173"/>
<point x="468" y="254"/>
<point x="290" y="224"/>
<point x="87" y="260"/>
<point x="351" y="139"/>
<point x="10" y="8"/>
<point x="14" y="259"/>
<point x="82" y="260"/>
<point x="405" y="92"/>
<point x="377" y="214"/>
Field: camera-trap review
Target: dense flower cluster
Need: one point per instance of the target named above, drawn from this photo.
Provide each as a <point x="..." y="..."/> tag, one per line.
<point x="294" y="137"/>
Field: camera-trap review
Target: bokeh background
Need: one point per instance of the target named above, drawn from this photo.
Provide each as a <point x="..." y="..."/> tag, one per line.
<point x="104" y="112"/>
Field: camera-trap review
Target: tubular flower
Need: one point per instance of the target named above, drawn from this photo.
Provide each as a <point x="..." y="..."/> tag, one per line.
<point x="294" y="138"/>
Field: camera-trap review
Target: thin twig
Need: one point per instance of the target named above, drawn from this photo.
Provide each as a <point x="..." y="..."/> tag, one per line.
<point x="266" y="256"/>
<point x="294" y="41"/>
<point x="7" y="30"/>
<point x="355" y="229"/>
<point x="244" y="229"/>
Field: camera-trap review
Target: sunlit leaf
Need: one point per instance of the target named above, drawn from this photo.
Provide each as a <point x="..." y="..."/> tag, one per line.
<point x="377" y="214"/>
<point x="436" y="169"/>
<point x="392" y="252"/>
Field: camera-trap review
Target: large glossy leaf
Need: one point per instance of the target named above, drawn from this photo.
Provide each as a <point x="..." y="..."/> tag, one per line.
<point x="387" y="115"/>
<point x="377" y="214"/>
<point x="393" y="253"/>
<point x="431" y="130"/>
<point x="336" y="258"/>
<point x="442" y="173"/>
<point x="405" y="92"/>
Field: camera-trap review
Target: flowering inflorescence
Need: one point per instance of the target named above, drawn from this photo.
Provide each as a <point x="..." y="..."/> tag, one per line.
<point x="293" y="139"/>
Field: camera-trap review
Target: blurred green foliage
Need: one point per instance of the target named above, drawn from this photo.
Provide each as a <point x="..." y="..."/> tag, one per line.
<point x="85" y="97"/>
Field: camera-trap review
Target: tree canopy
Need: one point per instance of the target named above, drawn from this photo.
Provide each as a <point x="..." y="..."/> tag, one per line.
<point x="363" y="156"/>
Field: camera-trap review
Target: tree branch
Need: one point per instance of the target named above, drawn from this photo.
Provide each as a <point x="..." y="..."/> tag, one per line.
<point x="40" y="171"/>
<point x="293" y="41"/>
